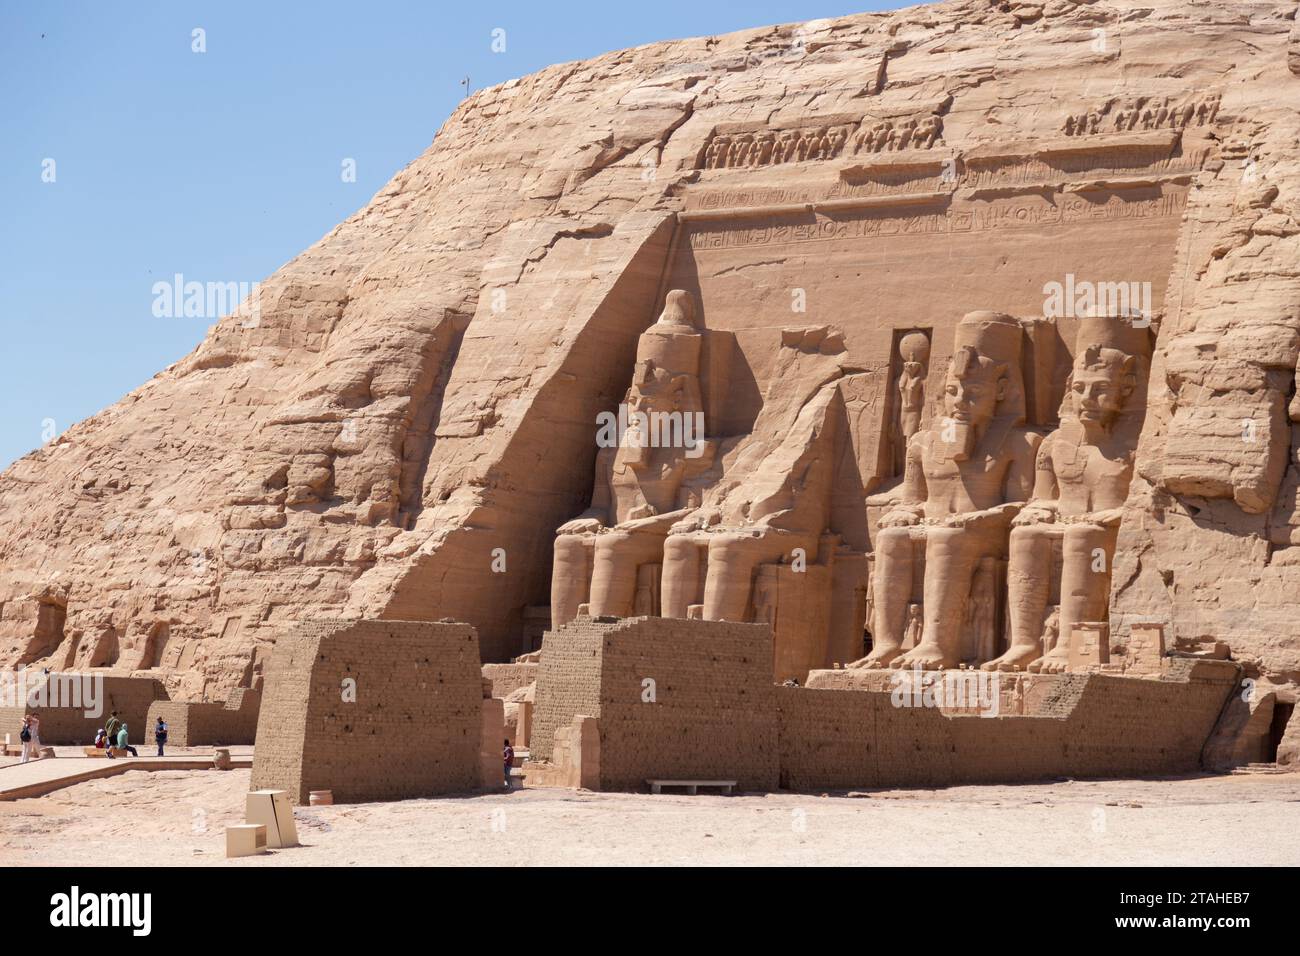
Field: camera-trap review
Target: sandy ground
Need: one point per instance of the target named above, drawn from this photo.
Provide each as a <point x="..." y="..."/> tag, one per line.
<point x="177" y="818"/>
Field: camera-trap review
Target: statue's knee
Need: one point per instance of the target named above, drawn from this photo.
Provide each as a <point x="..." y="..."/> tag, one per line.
<point x="1026" y="540"/>
<point x="1086" y="540"/>
<point x="679" y="548"/>
<point x="613" y="542"/>
<point x="570" y="549"/>
<point x="894" y="538"/>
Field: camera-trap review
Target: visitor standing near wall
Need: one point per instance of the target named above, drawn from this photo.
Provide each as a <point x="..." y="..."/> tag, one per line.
<point x="122" y="743"/>
<point x="28" y="737"/>
<point x="111" y="728"/>
<point x="36" y="733"/>
<point x="160" y="734"/>
<point x="509" y="755"/>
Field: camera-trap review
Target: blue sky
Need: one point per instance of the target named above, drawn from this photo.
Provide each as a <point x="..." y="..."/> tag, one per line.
<point x="224" y="165"/>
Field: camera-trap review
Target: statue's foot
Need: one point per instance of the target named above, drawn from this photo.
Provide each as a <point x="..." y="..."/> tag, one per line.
<point x="1015" y="658"/>
<point x="879" y="658"/>
<point x="929" y="657"/>
<point x="1052" y="664"/>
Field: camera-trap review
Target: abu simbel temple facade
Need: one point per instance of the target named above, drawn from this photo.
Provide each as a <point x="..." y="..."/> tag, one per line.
<point x="809" y="374"/>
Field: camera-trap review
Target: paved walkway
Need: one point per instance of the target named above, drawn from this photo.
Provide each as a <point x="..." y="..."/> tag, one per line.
<point x="70" y="766"/>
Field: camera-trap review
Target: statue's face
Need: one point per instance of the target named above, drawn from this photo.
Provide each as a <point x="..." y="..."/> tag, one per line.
<point x="1097" y="394"/>
<point x="972" y="398"/>
<point x="656" y="393"/>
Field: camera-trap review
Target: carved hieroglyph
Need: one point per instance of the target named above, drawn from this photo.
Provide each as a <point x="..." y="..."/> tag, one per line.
<point x="967" y="475"/>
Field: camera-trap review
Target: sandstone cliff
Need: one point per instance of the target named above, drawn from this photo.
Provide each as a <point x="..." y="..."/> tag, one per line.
<point x="410" y="418"/>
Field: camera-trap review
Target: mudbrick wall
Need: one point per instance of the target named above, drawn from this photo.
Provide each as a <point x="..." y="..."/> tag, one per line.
<point x="675" y="699"/>
<point x="1091" y="725"/>
<point x="199" y="724"/>
<point x="372" y="710"/>
<point x="71" y="723"/>
<point x="717" y="715"/>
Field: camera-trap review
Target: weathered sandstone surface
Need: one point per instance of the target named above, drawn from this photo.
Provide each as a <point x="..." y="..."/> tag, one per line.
<point x="410" y="418"/>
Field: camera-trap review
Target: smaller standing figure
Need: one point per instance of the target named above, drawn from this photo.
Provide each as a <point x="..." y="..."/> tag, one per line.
<point x="912" y="633"/>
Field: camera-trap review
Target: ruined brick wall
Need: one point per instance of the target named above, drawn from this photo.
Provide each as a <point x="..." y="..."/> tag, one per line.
<point x="1145" y="727"/>
<point x="1088" y="725"/>
<point x="413" y="729"/>
<point x="200" y="724"/>
<point x="675" y="699"/>
<point x="711" y="716"/>
<point x="131" y="697"/>
<point x="568" y="681"/>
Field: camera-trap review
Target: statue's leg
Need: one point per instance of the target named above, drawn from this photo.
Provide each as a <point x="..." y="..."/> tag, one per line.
<point x="1086" y="555"/>
<point x="732" y="560"/>
<point x="617" y="556"/>
<point x="950" y="556"/>
<point x="895" y="564"/>
<point x="1028" y="588"/>
<point x="681" y="576"/>
<point x="570" y="576"/>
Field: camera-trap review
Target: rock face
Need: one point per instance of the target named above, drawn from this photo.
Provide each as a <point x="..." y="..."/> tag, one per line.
<point x="409" y="419"/>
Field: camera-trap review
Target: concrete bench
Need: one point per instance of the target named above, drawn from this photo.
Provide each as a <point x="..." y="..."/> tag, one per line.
<point x="101" y="752"/>
<point x="692" y="786"/>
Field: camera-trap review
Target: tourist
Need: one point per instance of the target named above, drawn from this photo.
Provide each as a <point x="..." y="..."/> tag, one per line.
<point x="101" y="739"/>
<point x="160" y="734"/>
<point x="122" y="742"/>
<point x="28" y="737"/>
<point x="112" y="727"/>
<point x="36" y="733"/>
<point x="509" y="755"/>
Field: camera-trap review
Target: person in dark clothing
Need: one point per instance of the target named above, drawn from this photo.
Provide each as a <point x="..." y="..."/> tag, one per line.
<point x="160" y="734"/>
<point x="509" y="755"/>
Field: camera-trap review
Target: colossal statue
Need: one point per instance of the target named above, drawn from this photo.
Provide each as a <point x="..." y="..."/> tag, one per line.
<point x="765" y="545"/>
<point x="1082" y="475"/>
<point x="608" y="556"/>
<point x="965" y="478"/>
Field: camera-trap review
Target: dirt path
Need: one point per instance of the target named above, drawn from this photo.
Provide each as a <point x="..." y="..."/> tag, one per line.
<point x="178" y="818"/>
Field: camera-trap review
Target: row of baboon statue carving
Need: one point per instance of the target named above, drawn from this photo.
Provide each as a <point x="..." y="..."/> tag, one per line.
<point x="773" y="147"/>
<point x="1146" y="113"/>
<point x="966" y="538"/>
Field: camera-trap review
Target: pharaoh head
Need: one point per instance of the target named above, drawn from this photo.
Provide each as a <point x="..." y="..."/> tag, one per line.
<point x="666" y="377"/>
<point x="983" y="382"/>
<point x="656" y="389"/>
<point x="984" y="374"/>
<point x="1104" y="375"/>
<point x="1100" y="384"/>
<point x="976" y="384"/>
